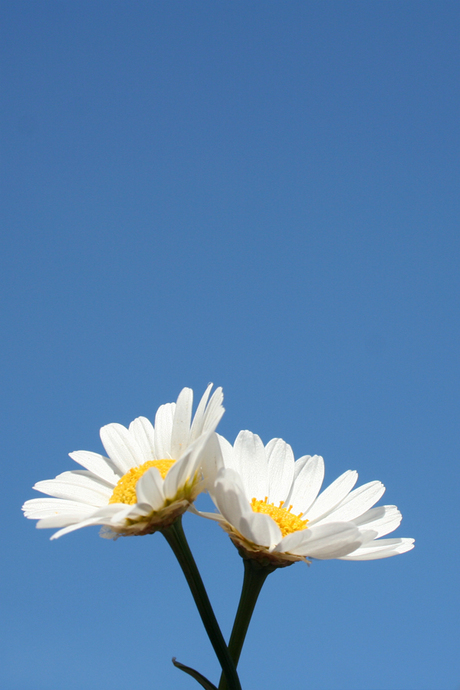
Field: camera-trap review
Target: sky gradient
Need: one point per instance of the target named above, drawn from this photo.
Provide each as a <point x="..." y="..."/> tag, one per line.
<point x="263" y="195"/>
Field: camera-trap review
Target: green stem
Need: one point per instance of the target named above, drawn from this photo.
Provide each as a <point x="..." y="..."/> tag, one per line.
<point x="174" y="535"/>
<point x="255" y="575"/>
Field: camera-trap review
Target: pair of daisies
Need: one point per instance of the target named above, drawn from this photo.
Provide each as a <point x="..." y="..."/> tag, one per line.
<point x="268" y="503"/>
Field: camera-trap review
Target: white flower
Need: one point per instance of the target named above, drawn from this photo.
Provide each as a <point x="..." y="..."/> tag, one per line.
<point x="270" y="507"/>
<point x="150" y="477"/>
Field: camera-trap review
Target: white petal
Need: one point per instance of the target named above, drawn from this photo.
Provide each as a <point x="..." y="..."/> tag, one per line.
<point x="142" y="431"/>
<point x="382" y="520"/>
<point x="383" y="548"/>
<point x="62" y="520"/>
<point x="130" y="512"/>
<point x="197" y="424"/>
<point x="149" y="489"/>
<point x="213" y="413"/>
<point x="260" y="529"/>
<point x="249" y="453"/>
<point x="71" y="528"/>
<point x="307" y="484"/>
<point x="332" y="496"/>
<point x="217" y="517"/>
<point x="97" y="464"/>
<point x="211" y="461"/>
<point x="292" y="542"/>
<point x="180" y="434"/>
<point x="357" y="502"/>
<point x="228" y="454"/>
<point x="121" y="447"/>
<point x="331" y="540"/>
<point x="40" y="508"/>
<point x="230" y="498"/>
<point x="280" y="469"/>
<point x="76" y="486"/>
<point x="100" y="517"/>
<point x="163" y="430"/>
<point x="184" y="469"/>
<point x="177" y="476"/>
<point x="299" y="465"/>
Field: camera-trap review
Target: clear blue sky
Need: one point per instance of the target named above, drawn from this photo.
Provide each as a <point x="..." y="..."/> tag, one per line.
<point x="264" y="195"/>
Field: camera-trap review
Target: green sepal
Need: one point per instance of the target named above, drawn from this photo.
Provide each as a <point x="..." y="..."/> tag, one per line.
<point x="204" y="682"/>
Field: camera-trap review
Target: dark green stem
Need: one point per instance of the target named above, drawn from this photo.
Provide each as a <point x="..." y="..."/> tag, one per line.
<point x="255" y="575"/>
<point x="174" y="535"/>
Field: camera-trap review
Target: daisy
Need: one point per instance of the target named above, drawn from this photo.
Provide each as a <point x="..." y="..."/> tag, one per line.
<point x="150" y="477"/>
<point x="271" y="507"/>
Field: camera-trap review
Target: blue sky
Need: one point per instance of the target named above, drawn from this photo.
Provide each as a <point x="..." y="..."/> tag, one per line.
<point x="263" y="195"/>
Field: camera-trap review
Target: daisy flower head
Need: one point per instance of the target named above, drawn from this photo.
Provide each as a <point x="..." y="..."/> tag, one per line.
<point x="150" y="476"/>
<point x="272" y="508"/>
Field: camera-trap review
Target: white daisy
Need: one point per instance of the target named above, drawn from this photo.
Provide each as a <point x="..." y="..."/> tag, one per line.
<point x="150" y="477"/>
<point x="270" y="507"/>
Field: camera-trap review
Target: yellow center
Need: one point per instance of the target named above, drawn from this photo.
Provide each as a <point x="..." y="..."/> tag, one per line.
<point x="286" y="521"/>
<point x="125" y="490"/>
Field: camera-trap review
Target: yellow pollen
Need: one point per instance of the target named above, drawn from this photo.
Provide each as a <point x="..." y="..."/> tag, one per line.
<point x="125" y="490"/>
<point x="286" y="521"/>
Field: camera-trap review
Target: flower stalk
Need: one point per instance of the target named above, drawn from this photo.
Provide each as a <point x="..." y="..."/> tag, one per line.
<point x="255" y="574"/>
<point x="175" y="536"/>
